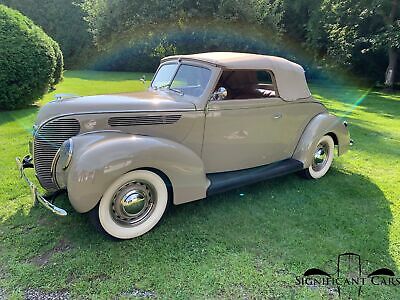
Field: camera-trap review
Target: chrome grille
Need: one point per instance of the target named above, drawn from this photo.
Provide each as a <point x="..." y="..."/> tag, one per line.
<point x="48" y="139"/>
<point x="143" y="120"/>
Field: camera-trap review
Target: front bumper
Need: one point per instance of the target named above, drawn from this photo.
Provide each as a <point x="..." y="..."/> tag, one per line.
<point x="26" y="163"/>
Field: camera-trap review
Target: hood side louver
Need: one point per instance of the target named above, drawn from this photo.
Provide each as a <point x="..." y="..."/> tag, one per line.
<point x="143" y="120"/>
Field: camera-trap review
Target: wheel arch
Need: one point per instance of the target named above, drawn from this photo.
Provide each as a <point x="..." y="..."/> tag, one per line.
<point x="334" y="138"/>
<point x="322" y="124"/>
<point x="166" y="179"/>
<point x="100" y="158"/>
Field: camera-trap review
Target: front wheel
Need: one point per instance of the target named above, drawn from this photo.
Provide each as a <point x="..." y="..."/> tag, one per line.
<point x="321" y="160"/>
<point x="132" y="205"/>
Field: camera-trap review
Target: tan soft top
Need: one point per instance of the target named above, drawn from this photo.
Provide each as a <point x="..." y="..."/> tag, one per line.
<point x="289" y="76"/>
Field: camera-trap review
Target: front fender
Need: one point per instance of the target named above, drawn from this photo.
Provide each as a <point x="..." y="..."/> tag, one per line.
<point x="319" y="126"/>
<point x="100" y="158"/>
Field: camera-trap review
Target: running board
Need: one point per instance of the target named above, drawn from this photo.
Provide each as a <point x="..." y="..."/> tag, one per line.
<point x="225" y="181"/>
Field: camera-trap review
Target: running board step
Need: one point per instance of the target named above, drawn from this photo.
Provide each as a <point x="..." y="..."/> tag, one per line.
<point x="225" y="181"/>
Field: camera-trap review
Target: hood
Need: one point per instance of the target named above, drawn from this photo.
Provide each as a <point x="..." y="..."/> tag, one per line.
<point x="125" y="102"/>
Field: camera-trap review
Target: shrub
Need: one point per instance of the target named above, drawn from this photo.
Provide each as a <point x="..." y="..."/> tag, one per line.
<point x="64" y="21"/>
<point x="57" y="76"/>
<point x="30" y="61"/>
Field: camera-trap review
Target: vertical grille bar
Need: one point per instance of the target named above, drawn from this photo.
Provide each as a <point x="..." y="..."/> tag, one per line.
<point x="48" y="139"/>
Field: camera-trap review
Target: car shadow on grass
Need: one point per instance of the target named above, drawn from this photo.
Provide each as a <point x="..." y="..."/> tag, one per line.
<point x="251" y="241"/>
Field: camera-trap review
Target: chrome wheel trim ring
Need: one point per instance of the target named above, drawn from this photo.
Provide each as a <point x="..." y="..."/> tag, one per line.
<point x="133" y="203"/>
<point x="321" y="156"/>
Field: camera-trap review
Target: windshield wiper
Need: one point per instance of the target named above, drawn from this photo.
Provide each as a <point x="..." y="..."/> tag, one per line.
<point x="162" y="86"/>
<point x="168" y="85"/>
<point x="176" y="91"/>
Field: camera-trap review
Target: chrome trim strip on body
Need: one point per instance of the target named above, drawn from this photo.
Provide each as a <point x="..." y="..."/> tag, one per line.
<point x="100" y="131"/>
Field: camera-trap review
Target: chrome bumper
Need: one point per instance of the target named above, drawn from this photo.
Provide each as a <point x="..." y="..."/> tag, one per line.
<point x="37" y="197"/>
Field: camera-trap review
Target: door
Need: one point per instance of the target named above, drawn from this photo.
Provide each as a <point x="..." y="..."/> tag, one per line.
<point x="241" y="134"/>
<point x="252" y="126"/>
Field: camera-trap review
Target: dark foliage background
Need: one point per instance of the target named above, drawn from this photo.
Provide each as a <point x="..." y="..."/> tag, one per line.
<point x="30" y="61"/>
<point x="64" y="21"/>
<point x="353" y="36"/>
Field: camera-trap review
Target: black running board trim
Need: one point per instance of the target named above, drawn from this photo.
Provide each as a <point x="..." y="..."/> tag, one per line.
<point x="225" y="181"/>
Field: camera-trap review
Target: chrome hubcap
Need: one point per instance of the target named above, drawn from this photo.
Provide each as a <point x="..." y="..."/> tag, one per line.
<point x="320" y="156"/>
<point x="133" y="203"/>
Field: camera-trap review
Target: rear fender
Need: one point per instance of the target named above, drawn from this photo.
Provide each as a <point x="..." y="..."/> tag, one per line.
<point x="100" y="158"/>
<point x="319" y="126"/>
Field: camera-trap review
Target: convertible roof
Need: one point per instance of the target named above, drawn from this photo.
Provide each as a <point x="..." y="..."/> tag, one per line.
<point x="289" y="76"/>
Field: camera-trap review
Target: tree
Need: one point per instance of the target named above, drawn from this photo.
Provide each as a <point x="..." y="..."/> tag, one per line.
<point x="63" y="20"/>
<point x="142" y="32"/>
<point x="389" y="35"/>
<point x="354" y="34"/>
<point x="360" y="36"/>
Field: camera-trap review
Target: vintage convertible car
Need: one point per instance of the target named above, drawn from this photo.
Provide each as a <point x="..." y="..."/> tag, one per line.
<point x="209" y="122"/>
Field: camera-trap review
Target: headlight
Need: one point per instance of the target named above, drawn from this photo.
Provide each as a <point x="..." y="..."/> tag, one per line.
<point x="64" y="155"/>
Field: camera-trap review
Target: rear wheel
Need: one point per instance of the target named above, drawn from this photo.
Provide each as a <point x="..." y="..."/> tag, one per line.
<point x="132" y="205"/>
<point x="321" y="160"/>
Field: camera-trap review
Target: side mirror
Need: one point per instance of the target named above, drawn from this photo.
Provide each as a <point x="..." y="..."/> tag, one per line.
<point x="143" y="79"/>
<point x="220" y="94"/>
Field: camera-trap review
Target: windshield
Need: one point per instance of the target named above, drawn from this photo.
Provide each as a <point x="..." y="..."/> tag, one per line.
<point x="164" y="76"/>
<point x="188" y="80"/>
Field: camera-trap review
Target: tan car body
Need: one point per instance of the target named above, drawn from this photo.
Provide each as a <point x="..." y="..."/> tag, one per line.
<point x="196" y="136"/>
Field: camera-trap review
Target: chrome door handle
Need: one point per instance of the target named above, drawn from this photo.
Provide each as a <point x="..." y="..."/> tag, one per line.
<point x="277" y="116"/>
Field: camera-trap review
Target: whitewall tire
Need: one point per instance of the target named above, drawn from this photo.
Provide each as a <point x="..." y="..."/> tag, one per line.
<point x="132" y="205"/>
<point x="322" y="158"/>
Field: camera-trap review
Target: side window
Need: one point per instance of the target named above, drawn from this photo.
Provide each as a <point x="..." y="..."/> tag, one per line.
<point x="247" y="84"/>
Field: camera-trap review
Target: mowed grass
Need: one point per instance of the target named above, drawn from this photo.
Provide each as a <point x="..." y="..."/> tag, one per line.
<point x="248" y="243"/>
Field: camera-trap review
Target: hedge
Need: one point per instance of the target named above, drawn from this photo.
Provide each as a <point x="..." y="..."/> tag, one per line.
<point x="30" y="61"/>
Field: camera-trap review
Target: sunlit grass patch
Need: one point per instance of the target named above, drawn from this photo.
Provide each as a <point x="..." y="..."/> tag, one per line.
<point x="248" y="243"/>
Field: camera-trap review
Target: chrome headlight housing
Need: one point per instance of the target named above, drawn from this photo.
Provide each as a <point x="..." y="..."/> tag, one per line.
<point x="63" y="157"/>
<point x="61" y="162"/>
<point x="64" y="154"/>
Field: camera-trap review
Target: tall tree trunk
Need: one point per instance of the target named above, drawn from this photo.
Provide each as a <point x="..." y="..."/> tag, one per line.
<point x="391" y="69"/>
<point x="393" y="54"/>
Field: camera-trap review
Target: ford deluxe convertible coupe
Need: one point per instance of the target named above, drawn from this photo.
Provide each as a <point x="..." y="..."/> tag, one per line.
<point x="209" y="123"/>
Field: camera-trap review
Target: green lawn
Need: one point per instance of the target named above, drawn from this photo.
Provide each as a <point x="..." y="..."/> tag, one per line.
<point x="248" y="243"/>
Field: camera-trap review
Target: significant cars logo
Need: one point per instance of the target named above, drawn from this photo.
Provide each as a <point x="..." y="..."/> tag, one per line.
<point x="348" y="276"/>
